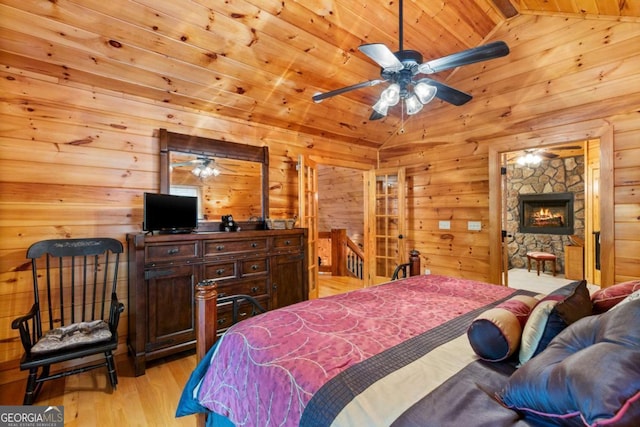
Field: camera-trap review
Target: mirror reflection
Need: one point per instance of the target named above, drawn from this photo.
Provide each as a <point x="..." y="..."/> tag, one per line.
<point x="223" y="185"/>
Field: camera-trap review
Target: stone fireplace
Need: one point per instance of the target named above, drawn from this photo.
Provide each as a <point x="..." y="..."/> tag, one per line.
<point x="547" y="213"/>
<point x="544" y="181"/>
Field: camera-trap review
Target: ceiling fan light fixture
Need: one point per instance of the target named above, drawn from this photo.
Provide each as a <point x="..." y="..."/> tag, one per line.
<point x="391" y="95"/>
<point x="413" y="105"/>
<point x="381" y="107"/>
<point x="205" y="171"/>
<point x="529" y="159"/>
<point x="425" y="92"/>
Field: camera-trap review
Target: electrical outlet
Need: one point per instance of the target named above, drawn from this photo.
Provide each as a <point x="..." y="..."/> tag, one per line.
<point x="444" y="225"/>
<point x="427" y="272"/>
<point x="474" y="225"/>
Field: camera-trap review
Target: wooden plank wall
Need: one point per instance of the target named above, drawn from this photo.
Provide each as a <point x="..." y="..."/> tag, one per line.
<point x="341" y="200"/>
<point x="562" y="72"/>
<point x="75" y="161"/>
<point x="626" y="165"/>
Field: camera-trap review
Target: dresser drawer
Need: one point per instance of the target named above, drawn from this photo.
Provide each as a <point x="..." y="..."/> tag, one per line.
<point x="251" y="267"/>
<point x="171" y="252"/>
<point x="245" y="311"/>
<point x="288" y="242"/>
<point x="220" y="271"/>
<point x="257" y="287"/>
<point x="216" y="248"/>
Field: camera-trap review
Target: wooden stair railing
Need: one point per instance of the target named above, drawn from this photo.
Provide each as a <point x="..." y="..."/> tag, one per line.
<point x="355" y="259"/>
<point x="347" y="259"/>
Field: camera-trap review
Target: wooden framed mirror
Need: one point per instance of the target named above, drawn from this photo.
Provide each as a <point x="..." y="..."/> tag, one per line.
<point x="228" y="178"/>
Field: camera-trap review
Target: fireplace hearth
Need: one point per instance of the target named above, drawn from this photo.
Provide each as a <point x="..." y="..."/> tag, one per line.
<point x="548" y="213"/>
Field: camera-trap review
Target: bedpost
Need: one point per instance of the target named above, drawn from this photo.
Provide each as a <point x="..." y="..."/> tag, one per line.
<point x="414" y="263"/>
<point x="206" y="314"/>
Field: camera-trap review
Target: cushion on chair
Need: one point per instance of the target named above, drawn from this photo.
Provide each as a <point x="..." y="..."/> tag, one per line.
<point x="541" y="255"/>
<point x="73" y="335"/>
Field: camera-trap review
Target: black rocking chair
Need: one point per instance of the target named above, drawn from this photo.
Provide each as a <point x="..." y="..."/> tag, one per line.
<point x="76" y="310"/>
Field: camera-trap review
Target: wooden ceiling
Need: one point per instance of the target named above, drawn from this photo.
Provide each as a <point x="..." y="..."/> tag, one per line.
<point x="261" y="60"/>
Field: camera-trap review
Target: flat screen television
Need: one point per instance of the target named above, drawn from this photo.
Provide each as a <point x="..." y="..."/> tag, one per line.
<point x="168" y="213"/>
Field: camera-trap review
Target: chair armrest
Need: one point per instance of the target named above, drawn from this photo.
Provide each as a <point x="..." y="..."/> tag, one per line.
<point x="400" y="268"/>
<point x="27" y="333"/>
<point x="114" y="313"/>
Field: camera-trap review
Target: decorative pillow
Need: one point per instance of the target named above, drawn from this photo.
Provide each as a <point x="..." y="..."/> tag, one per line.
<point x="552" y="314"/>
<point x="604" y="299"/>
<point x="73" y="335"/>
<point x="634" y="296"/>
<point x="588" y="375"/>
<point x="495" y="334"/>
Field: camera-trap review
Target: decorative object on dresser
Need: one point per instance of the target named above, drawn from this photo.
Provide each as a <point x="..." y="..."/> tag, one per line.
<point x="75" y="311"/>
<point x="268" y="265"/>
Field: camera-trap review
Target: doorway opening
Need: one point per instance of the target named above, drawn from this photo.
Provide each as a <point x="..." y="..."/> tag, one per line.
<point x="544" y="207"/>
<point x="340" y="207"/>
<point x="600" y="135"/>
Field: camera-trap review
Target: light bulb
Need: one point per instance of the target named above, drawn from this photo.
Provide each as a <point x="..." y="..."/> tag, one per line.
<point x="391" y="95"/>
<point x="413" y="105"/>
<point x="425" y="92"/>
<point x="381" y="107"/>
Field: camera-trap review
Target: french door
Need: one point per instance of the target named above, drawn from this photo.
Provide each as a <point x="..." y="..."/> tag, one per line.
<point x="308" y="217"/>
<point x="385" y="207"/>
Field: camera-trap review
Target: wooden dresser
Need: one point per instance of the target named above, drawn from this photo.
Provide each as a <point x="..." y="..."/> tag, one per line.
<point x="163" y="269"/>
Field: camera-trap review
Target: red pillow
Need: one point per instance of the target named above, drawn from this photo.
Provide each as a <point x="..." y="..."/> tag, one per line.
<point x="606" y="298"/>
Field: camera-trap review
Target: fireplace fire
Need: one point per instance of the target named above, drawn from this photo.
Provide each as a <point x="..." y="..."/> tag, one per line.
<point x="549" y="213"/>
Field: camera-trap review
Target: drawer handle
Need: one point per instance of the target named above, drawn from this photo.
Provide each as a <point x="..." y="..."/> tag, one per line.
<point x="287" y="242"/>
<point x="254" y="245"/>
<point x="173" y="251"/>
<point x="221" y="321"/>
<point x="221" y="295"/>
<point x="254" y="267"/>
<point x="254" y="289"/>
<point x="243" y="314"/>
<point x="220" y="271"/>
<point x="220" y="248"/>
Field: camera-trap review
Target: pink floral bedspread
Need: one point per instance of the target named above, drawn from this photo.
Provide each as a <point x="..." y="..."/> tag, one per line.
<point x="266" y="368"/>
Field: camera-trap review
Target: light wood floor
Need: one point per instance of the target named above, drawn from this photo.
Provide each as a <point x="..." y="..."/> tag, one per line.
<point x="151" y="399"/>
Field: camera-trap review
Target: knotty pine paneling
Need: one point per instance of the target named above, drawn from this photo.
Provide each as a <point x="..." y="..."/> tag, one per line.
<point x="341" y="201"/>
<point x="627" y="197"/>
<point x="561" y="71"/>
<point x="75" y="161"/>
<point x="79" y="116"/>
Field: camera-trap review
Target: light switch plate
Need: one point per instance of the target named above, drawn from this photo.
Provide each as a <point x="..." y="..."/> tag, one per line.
<point x="444" y="225"/>
<point x="474" y="225"/>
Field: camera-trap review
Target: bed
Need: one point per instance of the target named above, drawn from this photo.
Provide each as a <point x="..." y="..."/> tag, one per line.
<point x="421" y="351"/>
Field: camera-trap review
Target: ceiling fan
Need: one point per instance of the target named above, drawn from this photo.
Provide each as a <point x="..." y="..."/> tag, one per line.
<point x="204" y="167"/>
<point x="402" y="69"/>
<point x="534" y="156"/>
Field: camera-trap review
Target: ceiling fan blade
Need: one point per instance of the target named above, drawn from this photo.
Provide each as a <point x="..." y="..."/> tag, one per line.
<point x="568" y="147"/>
<point x="469" y="56"/>
<point x="382" y="55"/>
<point x="548" y="155"/>
<point x="319" y="97"/>
<point x="447" y="93"/>
<point x="375" y="115"/>
<point x="191" y="162"/>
